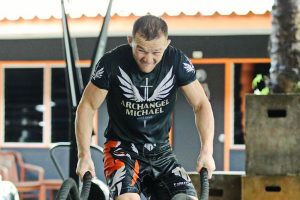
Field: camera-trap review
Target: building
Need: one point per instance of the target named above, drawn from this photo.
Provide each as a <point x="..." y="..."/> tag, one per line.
<point x="226" y="41"/>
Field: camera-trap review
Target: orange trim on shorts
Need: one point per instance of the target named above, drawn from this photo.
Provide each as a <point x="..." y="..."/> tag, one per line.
<point x="136" y="171"/>
<point x="111" y="164"/>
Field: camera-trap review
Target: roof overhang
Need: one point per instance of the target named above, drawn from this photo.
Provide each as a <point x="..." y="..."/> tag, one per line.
<point x="46" y="9"/>
<point x="42" y="18"/>
<point x="216" y="24"/>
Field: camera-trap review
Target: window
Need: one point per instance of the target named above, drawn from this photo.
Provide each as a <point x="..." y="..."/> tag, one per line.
<point x="59" y="106"/>
<point x="34" y="102"/>
<point x="243" y="77"/>
<point x="59" y="103"/>
<point x="23" y="102"/>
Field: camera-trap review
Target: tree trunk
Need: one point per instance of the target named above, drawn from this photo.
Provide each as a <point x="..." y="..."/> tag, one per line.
<point x="284" y="47"/>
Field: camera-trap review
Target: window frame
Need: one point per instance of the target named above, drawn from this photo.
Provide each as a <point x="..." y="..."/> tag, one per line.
<point x="229" y="99"/>
<point x="46" y="66"/>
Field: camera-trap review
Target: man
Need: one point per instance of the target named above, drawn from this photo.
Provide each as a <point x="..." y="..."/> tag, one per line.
<point x="140" y="81"/>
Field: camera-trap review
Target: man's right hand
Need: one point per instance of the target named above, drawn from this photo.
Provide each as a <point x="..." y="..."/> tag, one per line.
<point x="85" y="164"/>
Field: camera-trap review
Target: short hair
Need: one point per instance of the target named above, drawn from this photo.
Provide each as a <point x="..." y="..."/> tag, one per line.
<point x="150" y="27"/>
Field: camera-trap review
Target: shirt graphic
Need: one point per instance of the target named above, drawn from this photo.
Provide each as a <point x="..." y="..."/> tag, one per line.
<point x="189" y="67"/>
<point x="98" y="73"/>
<point x="132" y="93"/>
<point x="140" y="104"/>
<point x="150" y="105"/>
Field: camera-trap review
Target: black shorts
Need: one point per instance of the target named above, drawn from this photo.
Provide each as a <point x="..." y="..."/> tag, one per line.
<point x="151" y="169"/>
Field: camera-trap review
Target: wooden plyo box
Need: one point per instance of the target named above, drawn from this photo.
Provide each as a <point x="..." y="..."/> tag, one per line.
<point x="270" y="187"/>
<point x="272" y="134"/>
<point x="222" y="185"/>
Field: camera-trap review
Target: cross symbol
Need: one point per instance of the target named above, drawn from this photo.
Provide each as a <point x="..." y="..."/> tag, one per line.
<point x="146" y="90"/>
<point x="146" y="94"/>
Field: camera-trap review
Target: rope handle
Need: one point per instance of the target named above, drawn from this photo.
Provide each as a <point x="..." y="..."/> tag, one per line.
<point x="204" y="193"/>
<point x="69" y="188"/>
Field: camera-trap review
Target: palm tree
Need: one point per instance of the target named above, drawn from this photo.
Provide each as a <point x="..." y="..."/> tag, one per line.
<point x="284" y="47"/>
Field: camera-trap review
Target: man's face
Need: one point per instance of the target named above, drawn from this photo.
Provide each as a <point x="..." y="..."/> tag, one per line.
<point x="148" y="53"/>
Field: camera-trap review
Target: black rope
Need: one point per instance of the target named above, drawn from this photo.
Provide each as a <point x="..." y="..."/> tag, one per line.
<point x="86" y="186"/>
<point x="204" y="193"/>
<point x="69" y="189"/>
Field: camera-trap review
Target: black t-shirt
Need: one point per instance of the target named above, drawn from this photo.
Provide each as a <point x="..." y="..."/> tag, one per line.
<point x="140" y="104"/>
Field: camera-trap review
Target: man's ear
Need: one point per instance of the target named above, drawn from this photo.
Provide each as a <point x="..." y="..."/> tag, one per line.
<point x="168" y="42"/>
<point x="129" y="40"/>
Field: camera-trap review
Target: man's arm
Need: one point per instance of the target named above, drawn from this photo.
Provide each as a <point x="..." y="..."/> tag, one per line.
<point x="204" y="120"/>
<point x="91" y="100"/>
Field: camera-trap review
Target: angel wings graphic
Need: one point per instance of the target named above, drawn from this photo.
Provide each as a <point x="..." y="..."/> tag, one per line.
<point x="188" y="67"/>
<point x="132" y="93"/>
<point x="98" y="73"/>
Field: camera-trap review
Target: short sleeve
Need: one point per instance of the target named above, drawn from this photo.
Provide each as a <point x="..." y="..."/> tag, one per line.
<point x="186" y="71"/>
<point x="100" y="76"/>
